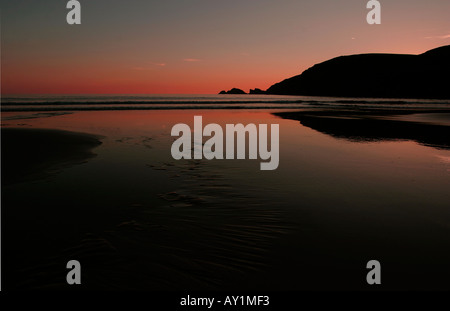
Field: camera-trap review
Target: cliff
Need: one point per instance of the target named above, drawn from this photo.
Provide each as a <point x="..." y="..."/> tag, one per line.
<point x="375" y="75"/>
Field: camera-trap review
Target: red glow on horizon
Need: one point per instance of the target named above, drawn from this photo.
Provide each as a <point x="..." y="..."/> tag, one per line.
<point x="30" y="79"/>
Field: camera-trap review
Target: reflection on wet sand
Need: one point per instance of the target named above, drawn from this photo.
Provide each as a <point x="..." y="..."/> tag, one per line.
<point x="137" y="219"/>
<point x="361" y="126"/>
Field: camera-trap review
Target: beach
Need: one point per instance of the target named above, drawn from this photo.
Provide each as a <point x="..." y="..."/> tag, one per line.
<point x="30" y="154"/>
<point x="350" y="187"/>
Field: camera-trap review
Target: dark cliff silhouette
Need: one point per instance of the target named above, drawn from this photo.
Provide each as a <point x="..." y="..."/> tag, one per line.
<point x="233" y="91"/>
<point x="375" y="75"/>
<point x="257" y="91"/>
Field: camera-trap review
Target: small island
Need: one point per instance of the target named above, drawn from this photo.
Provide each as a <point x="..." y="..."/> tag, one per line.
<point x="239" y="91"/>
<point x="257" y="91"/>
<point x="233" y="91"/>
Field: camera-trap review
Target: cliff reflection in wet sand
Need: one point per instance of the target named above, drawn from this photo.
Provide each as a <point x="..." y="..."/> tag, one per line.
<point x="137" y="219"/>
<point x="381" y="125"/>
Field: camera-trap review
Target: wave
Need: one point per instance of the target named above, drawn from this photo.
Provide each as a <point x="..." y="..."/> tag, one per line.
<point x="132" y="102"/>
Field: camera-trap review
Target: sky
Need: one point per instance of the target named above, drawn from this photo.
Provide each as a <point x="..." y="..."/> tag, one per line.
<point x="198" y="46"/>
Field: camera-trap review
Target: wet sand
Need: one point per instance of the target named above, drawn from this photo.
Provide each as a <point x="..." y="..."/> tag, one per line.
<point x="29" y="154"/>
<point x="430" y="128"/>
<point x="188" y="238"/>
<point x="137" y="219"/>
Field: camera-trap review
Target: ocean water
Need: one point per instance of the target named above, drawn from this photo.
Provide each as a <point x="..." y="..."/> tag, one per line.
<point x="144" y="102"/>
<point x="349" y="188"/>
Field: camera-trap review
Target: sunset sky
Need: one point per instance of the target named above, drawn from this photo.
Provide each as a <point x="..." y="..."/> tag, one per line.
<point x="198" y="46"/>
